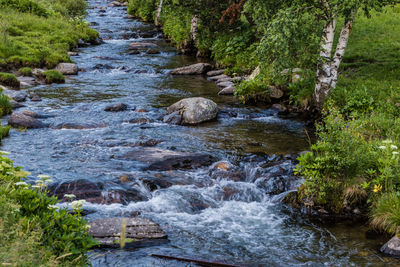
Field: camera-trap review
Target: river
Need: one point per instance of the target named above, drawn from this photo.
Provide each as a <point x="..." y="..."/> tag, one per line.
<point x="232" y="221"/>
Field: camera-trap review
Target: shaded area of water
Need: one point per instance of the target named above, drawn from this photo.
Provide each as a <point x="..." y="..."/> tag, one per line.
<point x="207" y="217"/>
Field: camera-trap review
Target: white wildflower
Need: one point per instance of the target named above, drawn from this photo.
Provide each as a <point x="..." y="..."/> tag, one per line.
<point x="4" y="152"/>
<point x="44" y="177"/>
<point x="35" y="186"/>
<point x="393" y="147"/>
<point x="52" y="207"/>
<point x="395" y="153"/>
<point x="87" y="226"/>
<point x="388" y="141"/>
<point x="69" y="196"/>
<point x="77" y="204"/>
<point x="21" y="183"/>
<point x="382" y="147"/>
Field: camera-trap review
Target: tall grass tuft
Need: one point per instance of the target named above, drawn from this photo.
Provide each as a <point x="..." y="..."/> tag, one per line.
<point x="386" y="213"/>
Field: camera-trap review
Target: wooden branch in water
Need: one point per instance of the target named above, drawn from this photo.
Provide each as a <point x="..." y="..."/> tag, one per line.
<point x="199" y="262"/>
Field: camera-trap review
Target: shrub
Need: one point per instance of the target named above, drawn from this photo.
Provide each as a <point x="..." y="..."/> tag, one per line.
<point x="386" y="213"/>
<point x="5" y="106"/>
<point x="26" y="6"/>
<point x="8" y="79"/>
<point x="25" y="71"/>
<point x="53" y="76"/>
<point x="142" y="8"/>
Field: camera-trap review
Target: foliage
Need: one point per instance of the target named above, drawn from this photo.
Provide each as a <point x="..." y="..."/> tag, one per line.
<point x="144" y="9"/>
<point x="25" y="71"/>
<point x="53" y="76"/>
<point x="33" y="231"/>
<point x="8" y="79"/>
<point x="25" y="6"/>
<point x="5" y="108"/>
<point x="386" y="213"/>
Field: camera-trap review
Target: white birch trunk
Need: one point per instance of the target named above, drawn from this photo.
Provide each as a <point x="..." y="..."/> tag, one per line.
<point x="193" y="29"/>
<point x="158" y="13"/>
<point x="324" y="72"/>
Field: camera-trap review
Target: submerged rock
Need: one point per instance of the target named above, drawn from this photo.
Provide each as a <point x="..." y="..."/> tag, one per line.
<point x="195" y="69"/>
<point x="35" y="115"/>
<point x="164" y="160"/>
<point x="138" y="232"/>
<point x="392" y="247"/>
<point x="192" y="111"/>
<point x="117" y="107"/>
<point x="79" y="126"/>
<point x="142" y="46"/>
<point x="19" y="120"/>
<point x="67" y="68"/>
<point x="94" y="192"/>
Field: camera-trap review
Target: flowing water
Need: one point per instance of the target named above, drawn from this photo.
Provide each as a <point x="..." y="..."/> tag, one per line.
<point x="206" y="216"/>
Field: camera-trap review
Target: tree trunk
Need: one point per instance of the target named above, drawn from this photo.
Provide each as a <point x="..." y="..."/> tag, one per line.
<point x="158" y="13"/>
<point x="193" y="29"/>
<point x="324" y="72"/>
<point x="327" y="75"/>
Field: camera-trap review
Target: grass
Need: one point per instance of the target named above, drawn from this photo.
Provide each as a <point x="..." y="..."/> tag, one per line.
<point x="8" y="79"/>
<point x="26" y="71"/>
<point x="53" y="76"/>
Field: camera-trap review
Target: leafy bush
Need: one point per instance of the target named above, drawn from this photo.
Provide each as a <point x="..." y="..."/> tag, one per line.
<point x="142" y="8"/>
<point x="8" y="79"/>
<point x="53" y="76"/>
<point x="32" y="230"/>
<point x="25" y="71"/>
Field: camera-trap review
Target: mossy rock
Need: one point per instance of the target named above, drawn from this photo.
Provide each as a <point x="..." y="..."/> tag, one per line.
<point x="26" y="71"/>
<point x="8" y="79"/>
<point x="53" y="76"/>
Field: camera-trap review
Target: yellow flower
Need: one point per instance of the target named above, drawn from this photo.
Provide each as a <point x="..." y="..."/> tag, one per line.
<point x="377" y="188"/>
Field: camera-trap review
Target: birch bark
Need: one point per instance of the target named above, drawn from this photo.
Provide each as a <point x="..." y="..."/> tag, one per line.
<point x="158" y="13"/>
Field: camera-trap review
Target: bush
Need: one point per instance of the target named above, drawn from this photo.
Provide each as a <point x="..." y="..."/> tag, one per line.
<point x="25" y="71"/>
<point x="8" y="79"/>
<point x="144" y="9"/>
<point x="53" y="76"/>
<point x="26" y="6"/>
<point x="5" y="106"/>
<point x="32" y="230"/>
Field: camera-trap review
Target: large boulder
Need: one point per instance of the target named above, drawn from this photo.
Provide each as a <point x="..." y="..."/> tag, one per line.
<point x="165" y="160"/>
<point x="392" y="247"/>
<point x="138" y="232"/>
<point x="67" y="68"/>
<point x="18" y="96"/>
<point x="195" y="69"/>
<point x="19" y="120"/>
<point x="194" y="110"/>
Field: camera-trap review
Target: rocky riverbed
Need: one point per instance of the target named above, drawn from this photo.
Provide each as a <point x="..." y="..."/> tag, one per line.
<point x="213" y="185"/>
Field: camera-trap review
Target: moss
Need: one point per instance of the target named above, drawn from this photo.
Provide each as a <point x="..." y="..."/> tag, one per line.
<point x="8" y="79"/>
<point x="53" y="76"/>
<point x="5" y="105"/>
<point x="25" y="71"/>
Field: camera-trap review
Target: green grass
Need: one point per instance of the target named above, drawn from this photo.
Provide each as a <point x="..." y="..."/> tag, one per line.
<point x="8" y="79"/>
<point x="25" y="71"/>
<point x="53" y="76"/>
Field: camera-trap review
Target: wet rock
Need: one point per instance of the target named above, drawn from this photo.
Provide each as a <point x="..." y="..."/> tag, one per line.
<point x="164" y="160"/>
<point x="35" y="115"/>
<point x="34" y="97"/>
<point x="153" y="183"/>
<point x="152" y="52"/>
<point x="16" y="104"/>
<point x="215" y="73"/>
<point x="37" y="72"/>
<point x="79" y="126"/>
<point x="219" y="77"/>
<point x="148" y="34"/>
<point x="73" y="54"/>
<point x="225" y="170"/>
<point x="93" y="24"/>
<point x="138" y="232"/>
<point x="140" y="121"/>
<point x="228" y="79"/>
<point x="94" y="192"/>
<point x="142" y="110"/>
<point x="67" y="68"/>
<point x="17" y="96"/>
<point x="173" y="118"/>
<point x="116" y="108"/>
<point x="227" y="91"/>
<point x="226" y="84"/>
<point x="141" y="46"/>
<point x="279" y="107"/>
<point x="275" y="92"/>
<point x="27" y="81"/>
<point x="194" y="110"/>
<point x="148" y="143"/>
<point x="272" y="186"/>
<point x="195" y="69"/>
<point x="19" y="120"/>
<point x="115" y="3"/>
<point x="392" y="247"/>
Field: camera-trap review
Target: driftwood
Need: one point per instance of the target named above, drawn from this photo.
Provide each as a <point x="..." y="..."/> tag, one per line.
<point x="199" y="262"/>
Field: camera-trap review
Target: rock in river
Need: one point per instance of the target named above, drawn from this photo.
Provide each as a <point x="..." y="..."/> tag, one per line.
<point x="193" y="110"/>
<point x="19" y="120"/>
<point x="165" y="160"/>
<point x="196" y="69"/>
<point x="67" y="68"/>
<point x="392" y="247"/>
<point x="116" y="107"/>
<point x="138" y="232"/>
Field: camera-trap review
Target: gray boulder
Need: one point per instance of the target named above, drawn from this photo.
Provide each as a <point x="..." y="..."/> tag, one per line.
<point x="219" y="77"/>
<point x="67" y="68"/>
<point x="227" y="91"/>
<point x="392" y="247"/>
<point x="19" y="120"/>
<point x="215" y="72"/>
<point x="18" y="96"/>
<point x="194" y="110"/>
<point x="116" y="108"/>
<point x="225" y="84"/>
<point x="195" y="69"/>
<point x="141" y="46"/>
<point x="275" y="92"/>
<point x="138" y="232"/>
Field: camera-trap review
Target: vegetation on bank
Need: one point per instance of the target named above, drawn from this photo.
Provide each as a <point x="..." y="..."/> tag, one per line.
<point x="33" y="231"/>
<point x="354" y="165"/>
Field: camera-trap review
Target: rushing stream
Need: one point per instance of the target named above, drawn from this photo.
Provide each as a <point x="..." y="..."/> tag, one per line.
<point x="206" y="216"/>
